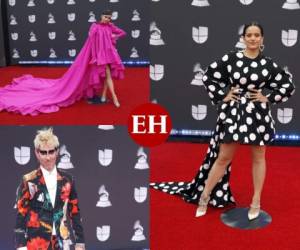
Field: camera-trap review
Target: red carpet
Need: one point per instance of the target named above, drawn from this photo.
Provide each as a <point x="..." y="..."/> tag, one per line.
<point x="174" y="227"/>
<point x="131" y="91"/>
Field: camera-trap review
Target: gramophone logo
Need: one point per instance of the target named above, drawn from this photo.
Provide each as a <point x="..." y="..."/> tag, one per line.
<point x="52" y="35"/>
<point x="50" y="1"/>
<point x="33" y="52"/>
<point x="135" y="33"/>
<point x="134" y="53"/>
<point x="71" y="36"/>
<point x="246" y="2"/>
<point x="113" y="1"/>
<point x="13" y="20"/>
<point x="198" y="71"/>
<point x="52" y="53"/>
<point x="103" y="198"/>
<point x="103" y="233"/>
<point x="155" y="35"/>
<point x="71" y="2"/>
<point x="92" y="1"/>
<point x="140" y="194"/>
<point x="22" y="155"/>
<point x="200" y="3"/>
<point x="115" y="15"/>
<point x="135" y="16"/>
<point x="71" y="17"/>
<point x="92" y="17"/>
<point x="15" y="54"/>
<point x="105" y="157"/>
<point x="72" y="52"/>
<point x="51" y="19"/>
<point x="142" y="160"/>
<point x="284" y="115"/>
<point x="157" y="72"/>
<point x="200" y="34"/>
<point x="12" y="2"/>
<point x="65" y="158"/>
<point x="14" y="36"/>
<point x="289" y="37"/>
<point x="240" y="44"/>
<point x="31" y="18"/>
<point x="106" y="127"/>
<point x="138" y="232"/>
<point x="32" y="37"/>
<point x="199" y="112"/>
<point x="31" y="3"/>
<point x="291" y="5"/>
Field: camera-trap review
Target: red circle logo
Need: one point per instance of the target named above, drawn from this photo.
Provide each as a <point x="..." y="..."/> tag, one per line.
<point x="149" y="124"/>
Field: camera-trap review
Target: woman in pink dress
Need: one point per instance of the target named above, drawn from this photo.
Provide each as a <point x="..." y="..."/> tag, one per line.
<point x="94" y="68"/>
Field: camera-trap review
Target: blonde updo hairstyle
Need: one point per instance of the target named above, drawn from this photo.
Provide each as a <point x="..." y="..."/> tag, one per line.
<point x="46" y="137"/>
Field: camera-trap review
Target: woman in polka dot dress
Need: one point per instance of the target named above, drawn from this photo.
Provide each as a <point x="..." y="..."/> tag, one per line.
<point x="235" y="84"/>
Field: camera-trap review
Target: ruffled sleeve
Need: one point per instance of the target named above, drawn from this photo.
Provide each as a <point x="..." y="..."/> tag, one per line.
<point x="280" y="83"/>
<point x="117" y="31"/>
<point x="92" y="29"/>
<point x="216" y="79"/>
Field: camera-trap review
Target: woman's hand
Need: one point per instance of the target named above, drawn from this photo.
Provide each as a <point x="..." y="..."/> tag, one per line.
<point x="257" y="96"/>
<point x="232" y="95"/>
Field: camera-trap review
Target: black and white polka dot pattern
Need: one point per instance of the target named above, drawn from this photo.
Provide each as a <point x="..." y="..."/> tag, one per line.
<point x="243" y="121"/>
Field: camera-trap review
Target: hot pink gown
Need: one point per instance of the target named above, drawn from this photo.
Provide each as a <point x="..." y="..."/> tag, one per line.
<point x="85" y="77"/>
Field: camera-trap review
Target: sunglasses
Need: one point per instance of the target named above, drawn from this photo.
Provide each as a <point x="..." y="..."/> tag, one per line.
<point x="47" y="152"/>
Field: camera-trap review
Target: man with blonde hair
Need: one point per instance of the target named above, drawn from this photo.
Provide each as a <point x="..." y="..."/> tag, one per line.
<point x="46" y="197"/>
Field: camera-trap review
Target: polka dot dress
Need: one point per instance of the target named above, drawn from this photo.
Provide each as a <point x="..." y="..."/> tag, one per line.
<point x="244" y="121"/>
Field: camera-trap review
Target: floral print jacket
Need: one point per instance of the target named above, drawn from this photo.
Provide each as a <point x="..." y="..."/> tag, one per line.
<point x="35" y="213"/>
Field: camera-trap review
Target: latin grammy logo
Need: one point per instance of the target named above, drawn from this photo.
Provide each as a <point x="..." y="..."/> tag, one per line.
<point x="103" y="233"/>
<point x="51" y="19"/>
<point x="71" y="2"/>
<point x="291" y="5"/>
<point x="32" y="37"/>
<point x="51" y="1"/>
<point x="198" y="74"/>
<point x="115" y="15"/>
<point x="138" y="232"/>
<point x="135" y="16"/>
<point x="134" y="53"/>
<point x="246" y="2"/>
<point x="15" y="53"/>
<point x="105" y="157"/>
<point x="52" y="53"/>
<point x="13" y="20"/>
<point x="31" y="3"/>
<point x="142" y="160"/>
<point x="240" y="43"/>
<point x="200" y="34"/>
<point x="103" y="198"/>
<point x="200" y="3"/>
<point x="106" y="127"/>
<point x="71" y="36"/>
<point x="199" y="112"/>
<point x="92" y="17"/>
<point x="157" y="72"/>
<point x="22" y="155"/>
<point x="155" y="35"/>
<point x="65" y="158"/>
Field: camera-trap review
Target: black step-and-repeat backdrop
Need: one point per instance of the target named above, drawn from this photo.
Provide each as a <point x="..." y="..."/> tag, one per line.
<point x="2" y="50"/>
<point x="186" y="36"/>
<point x="111" y="174"/>
<point x="55" y="30"/>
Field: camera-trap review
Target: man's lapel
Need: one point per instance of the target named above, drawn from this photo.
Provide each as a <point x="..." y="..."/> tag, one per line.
<point x="44" y="195"/>
<point x="60" y="183"/>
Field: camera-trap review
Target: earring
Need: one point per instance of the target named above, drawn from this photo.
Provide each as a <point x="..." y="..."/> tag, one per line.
<point x="261" y="47"/>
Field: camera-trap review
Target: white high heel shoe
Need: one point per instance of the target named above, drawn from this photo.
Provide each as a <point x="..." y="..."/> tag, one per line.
<point x="253" y="215"/>
<point x="202" y="206"/>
